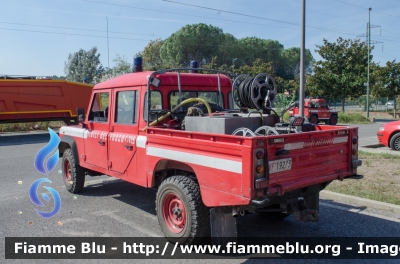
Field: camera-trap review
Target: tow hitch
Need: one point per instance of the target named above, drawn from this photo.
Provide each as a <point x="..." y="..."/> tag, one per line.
<point x="308" y="215"/>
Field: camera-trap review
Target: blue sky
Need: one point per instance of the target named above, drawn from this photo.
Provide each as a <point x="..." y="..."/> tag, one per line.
<point x="38" y="35"/>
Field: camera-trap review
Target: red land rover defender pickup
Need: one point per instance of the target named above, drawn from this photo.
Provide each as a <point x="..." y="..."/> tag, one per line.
<point x="181" y="134"/>
<point x="317" y="110"/>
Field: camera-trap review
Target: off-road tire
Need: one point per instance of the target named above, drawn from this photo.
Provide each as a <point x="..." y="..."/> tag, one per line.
<point x="73" y="175"/>
<point x="333" y="120"/>
<point x="395" y="142"/>
<point x="197" y="223"/>
<point x="314" y="119"/>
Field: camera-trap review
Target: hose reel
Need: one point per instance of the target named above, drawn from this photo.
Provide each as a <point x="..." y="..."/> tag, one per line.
<point x="254" y="93"/>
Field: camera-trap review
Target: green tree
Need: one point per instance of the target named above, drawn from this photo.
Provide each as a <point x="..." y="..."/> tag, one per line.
<point x="257" y="67"/>
<point x="387" y="80"/>
<point x="151" y="56"/>
<point x="290" y="65"/>
<point x="121" y="66"/>
<point x="84" y="64"/>
<point x="198" y="42"/>
<point x="266" y="50"/>
<point x="341" y="73"/>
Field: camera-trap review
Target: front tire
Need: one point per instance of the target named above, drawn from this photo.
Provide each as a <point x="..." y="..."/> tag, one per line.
<point x="73" y="174"/>
<point x="314" y="119"/>
<point x="181" y="213"/>
<point x="395" y="142"/>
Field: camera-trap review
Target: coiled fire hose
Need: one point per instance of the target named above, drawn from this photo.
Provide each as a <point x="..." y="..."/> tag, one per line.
<point x="161" y="118"/>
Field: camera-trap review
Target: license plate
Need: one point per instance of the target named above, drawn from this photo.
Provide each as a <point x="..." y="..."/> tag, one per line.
<point x="280" y="165"/>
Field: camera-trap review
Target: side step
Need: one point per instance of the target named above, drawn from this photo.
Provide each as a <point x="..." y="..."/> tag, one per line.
<point x="355" y="177"/>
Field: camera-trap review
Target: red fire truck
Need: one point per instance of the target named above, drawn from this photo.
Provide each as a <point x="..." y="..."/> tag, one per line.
<point x="212" y="147"/>
<point x="317" y="110"/>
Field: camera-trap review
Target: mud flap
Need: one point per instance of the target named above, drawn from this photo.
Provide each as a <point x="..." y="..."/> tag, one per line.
<point x="223" y="226"/>
<point x="310" y="211"/>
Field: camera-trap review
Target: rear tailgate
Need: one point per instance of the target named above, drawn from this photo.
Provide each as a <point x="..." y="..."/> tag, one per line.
<point x="303" y="159"/>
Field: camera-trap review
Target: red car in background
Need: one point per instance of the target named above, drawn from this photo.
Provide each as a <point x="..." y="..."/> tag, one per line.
<point x="389" y="135"/>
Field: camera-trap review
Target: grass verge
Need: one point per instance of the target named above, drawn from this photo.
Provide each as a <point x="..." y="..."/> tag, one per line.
<point x="15" y="127"/>
<point x="352" y="118"/>
<point x="381" y="180"/>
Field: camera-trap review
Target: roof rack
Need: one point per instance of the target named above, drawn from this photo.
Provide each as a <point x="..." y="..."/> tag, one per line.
<point x="178" y="70"/>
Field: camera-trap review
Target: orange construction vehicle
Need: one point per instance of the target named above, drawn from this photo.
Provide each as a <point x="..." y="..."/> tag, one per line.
<point x="29" y="99"/>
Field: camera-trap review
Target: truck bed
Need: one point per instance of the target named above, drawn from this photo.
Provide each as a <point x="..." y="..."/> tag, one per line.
<point x="315" y="157"/>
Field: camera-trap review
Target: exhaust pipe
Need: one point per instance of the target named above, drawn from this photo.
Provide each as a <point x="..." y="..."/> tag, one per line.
<point x="235" y="212"/>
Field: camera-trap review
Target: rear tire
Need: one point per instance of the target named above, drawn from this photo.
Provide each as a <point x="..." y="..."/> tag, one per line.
<point x="181" y="213"/>
<point x="314" y="119"/>
<point x="73" y="174"/>
<point x="333" y="120"/>
<point x="395" y="142"/>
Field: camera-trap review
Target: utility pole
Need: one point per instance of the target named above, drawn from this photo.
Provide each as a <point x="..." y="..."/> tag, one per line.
<point x="108" y="47"/>
<point x="302" y="59"/>
<point x="233" y="64"/>
<point x="369" y="43"/>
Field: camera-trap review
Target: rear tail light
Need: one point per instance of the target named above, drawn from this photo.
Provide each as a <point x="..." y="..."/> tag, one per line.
<point x="354" y="153"/>
<point x="259" y="161"/>
<point x="260" y="154"/>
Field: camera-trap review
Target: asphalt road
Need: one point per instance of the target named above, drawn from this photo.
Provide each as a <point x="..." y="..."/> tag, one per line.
<point x="112" y="208"/>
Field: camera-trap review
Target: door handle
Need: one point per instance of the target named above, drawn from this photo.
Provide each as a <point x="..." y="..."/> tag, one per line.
<point x="102" y="143"/>
<point x="129" y="147"/>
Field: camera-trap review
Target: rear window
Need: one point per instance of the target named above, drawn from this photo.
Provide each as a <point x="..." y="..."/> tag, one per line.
<point x="155" y="104"/>
<point x="210" y="97"/>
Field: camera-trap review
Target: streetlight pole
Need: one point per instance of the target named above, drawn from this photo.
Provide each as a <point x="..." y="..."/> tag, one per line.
<point x="302" y="59"/>
<point x="369" y="43"/>
<point x="108" y="47"/>
<point x="233" y="63"/>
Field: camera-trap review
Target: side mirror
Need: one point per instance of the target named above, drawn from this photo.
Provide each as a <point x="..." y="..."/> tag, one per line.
<point x="80" y="112"/>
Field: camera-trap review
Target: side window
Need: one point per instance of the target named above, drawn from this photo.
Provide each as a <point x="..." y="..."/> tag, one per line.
<point x="323" y="105"/>
<point x="155" y="104"/>
<point x="99" y="110"/>
<point x="126" y="107"/>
